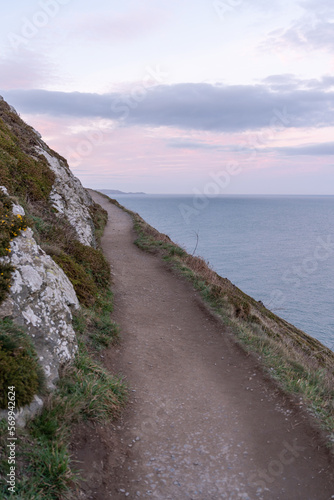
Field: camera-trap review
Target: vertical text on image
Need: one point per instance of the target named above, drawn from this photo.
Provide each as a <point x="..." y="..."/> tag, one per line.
<point x="11" y="440"/>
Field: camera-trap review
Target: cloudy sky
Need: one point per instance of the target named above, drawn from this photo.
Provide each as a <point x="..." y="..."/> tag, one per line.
<point x="163" y="96"/>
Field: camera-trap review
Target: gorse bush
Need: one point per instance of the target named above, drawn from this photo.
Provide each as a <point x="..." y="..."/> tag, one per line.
<point x="19" y="370"/>
<point x="94" y="263"/>
<point x="5" y="279"/>
<point x="10" y="227"/>
<point x="19" y="365"/>
<point x="10" y="224"/>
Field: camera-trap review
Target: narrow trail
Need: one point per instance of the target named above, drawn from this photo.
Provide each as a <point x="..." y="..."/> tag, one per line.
<point x="203" y="422"/>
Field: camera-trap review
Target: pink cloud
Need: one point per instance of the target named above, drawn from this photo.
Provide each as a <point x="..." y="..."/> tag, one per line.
<point x="140" y="159"/>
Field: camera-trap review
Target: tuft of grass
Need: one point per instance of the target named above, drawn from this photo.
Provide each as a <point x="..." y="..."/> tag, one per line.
<point x="100" y="218"/>
<point x="300" y="364"/>
<point x="43" y="469"/>
<point x="86" y="391"/>
<point x="104" y="332"/>
<point x="96" y="324"/>
<point x="90" y="391"/>
<point x="49" y="471"/>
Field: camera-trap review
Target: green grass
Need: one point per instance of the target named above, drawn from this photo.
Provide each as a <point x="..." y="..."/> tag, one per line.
<point x="86" y="391"/>
<point x="300" y="364"/>
<point x="100" y="218"/>
<point x="96" y="324"/>
<point x="43" y="468"/>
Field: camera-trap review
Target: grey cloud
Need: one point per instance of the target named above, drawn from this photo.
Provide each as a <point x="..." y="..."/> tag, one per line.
<point x="184" y="144"/>
<point x="189" y="106"/>
<point x="187" y="144"/>
<point x="289" y="82"/>
<point x="283" y="83"/>
<point x="324" y="149"/>
<point x="324" y="84"/>
<point x="319" y="7"/>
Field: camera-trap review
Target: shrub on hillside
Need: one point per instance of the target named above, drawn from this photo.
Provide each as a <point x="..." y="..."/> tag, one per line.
<point x="94" y="263"/>
<point x="19" y="365"/>
<point x="84" y="285"/>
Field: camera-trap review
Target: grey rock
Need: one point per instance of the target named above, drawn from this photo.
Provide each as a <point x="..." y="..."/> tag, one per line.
<point x="42" y="299"/>
<point x="69" y="198"/>
<point x="23" y="415"/>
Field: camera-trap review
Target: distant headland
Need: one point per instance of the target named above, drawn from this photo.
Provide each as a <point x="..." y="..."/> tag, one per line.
<point x="115" y="191"/>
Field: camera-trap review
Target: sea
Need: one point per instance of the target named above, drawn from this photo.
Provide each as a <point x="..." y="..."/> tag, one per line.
<point x="277" y="249"/>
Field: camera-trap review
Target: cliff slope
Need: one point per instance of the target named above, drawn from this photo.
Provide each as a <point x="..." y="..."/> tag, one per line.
<point x="40" y="264"/>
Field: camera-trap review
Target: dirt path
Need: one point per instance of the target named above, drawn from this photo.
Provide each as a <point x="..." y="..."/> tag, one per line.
<point x="203" y="422"/>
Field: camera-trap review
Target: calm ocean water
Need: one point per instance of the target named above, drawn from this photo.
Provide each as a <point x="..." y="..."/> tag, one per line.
<point x="277" y="249"/>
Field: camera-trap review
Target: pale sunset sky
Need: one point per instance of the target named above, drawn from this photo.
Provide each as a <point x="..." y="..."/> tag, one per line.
<point x="163" y="96"/>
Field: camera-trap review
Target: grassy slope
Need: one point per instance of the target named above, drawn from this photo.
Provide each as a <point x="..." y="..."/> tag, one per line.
<point x="301" y="364"/>
<point x="86" y="390"/>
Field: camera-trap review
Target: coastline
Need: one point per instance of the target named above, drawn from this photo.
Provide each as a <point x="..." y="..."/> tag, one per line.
<point x="274" y="249"/>
<point x="300" y="364"/>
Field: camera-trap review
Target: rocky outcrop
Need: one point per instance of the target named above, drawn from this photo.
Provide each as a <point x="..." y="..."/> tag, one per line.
<point x="70" y="199"/>
<point x="42" y="300"/>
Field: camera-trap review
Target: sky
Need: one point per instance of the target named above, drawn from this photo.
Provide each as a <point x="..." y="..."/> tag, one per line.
<point x="200" y="96"/>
